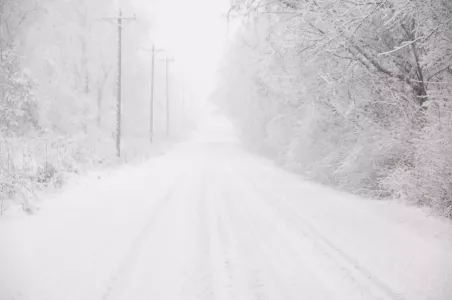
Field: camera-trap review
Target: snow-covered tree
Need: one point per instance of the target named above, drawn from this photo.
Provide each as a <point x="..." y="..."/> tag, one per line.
<point x="58" y="82"/>
<point x="350" y="93"/>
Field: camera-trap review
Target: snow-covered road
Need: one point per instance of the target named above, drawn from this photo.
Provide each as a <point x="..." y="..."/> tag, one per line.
<point x="237" y="228"/>
<point x="210" y="221"/>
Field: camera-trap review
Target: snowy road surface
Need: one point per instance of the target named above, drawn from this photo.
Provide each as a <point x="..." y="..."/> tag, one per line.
<point x="210" y="221"/>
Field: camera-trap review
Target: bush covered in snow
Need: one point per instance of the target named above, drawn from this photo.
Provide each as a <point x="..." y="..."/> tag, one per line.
<point x="353" y="94"/>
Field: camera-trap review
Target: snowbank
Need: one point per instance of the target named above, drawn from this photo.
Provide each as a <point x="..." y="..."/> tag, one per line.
<point x="77" y="241"/>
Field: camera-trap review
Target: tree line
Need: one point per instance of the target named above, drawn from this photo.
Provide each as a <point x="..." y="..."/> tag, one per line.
<point x="350" y="93"/>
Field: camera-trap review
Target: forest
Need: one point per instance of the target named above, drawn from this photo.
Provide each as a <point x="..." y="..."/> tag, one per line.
<point x="354" y="94"/>
<point x="58" y="83"/>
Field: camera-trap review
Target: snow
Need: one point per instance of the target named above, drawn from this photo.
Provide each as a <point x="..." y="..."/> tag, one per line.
<point x="79" y="237"/>
<point x="209" y="221"/>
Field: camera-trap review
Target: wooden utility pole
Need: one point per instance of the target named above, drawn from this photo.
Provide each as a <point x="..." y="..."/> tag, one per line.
<point x="119" y="19"/>
<point x="119" y="83"/>
<point x="151" y="119"/>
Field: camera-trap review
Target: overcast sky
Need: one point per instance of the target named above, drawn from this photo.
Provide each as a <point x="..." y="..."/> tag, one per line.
<point x="194" y="32"/>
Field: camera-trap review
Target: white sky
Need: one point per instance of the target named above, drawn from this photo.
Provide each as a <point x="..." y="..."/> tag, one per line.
<point x="194" y="33"/>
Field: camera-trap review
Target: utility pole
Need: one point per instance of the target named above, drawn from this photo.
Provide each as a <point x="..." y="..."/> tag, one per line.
<point x="119" y="83"/>
<point x="151" y="119"/>
<point x="154" y="50"/>
<point x="119" y="19"/>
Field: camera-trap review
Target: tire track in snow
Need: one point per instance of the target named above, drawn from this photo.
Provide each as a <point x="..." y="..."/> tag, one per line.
<point x="221" y="277"/>
<point x="277" y="266"/>
<point x="203" y="279"/>
<point x="294" y="266"/>
<point x="252" y="279"/>
<point x="235" y="263"/>
<point x="257" y="280"/>
<point x="351" y="268"/>
<point x="136" y="246"/>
